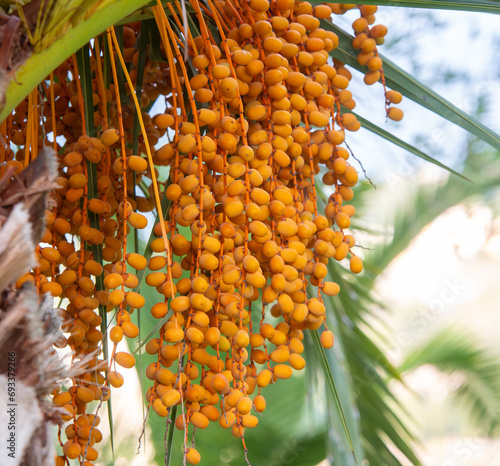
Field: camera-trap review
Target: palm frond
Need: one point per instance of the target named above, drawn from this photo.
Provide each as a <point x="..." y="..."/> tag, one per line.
<point x="453" y="352"/>
<point x="84" y="68"/>
<point x="40" y="64"/>
<point x="370" y="372"/>
<point x="420" y="206"/>
<point x="334" y="397"/>
<point x="403" y="144"/>
<point x="337" y="366"/>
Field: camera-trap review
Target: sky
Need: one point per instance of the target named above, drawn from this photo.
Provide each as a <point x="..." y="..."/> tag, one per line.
<point x="456" y="54"/>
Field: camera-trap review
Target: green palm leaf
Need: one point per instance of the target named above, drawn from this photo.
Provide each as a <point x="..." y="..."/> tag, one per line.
<point x="339" y="369"/>
<point x="454" y="352"/>
<point x="422" y="205"/>
<point x="400" y="143"/>
<point x="84" y="68"/>
<point x="383" y="430"/>
<point x="40" y="64"/>
<point x="332" y="388"/>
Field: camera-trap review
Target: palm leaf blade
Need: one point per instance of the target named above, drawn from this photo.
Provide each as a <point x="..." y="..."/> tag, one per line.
<point x="84" y="68"/>
<point x="39" y="65"/>
<point x="452" y="351"/>
<point x="320" y="351"/>
<point x="399" y="142"/>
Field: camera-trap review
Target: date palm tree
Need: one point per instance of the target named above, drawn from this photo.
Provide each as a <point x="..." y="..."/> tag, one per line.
<point x="343" y="409"/>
